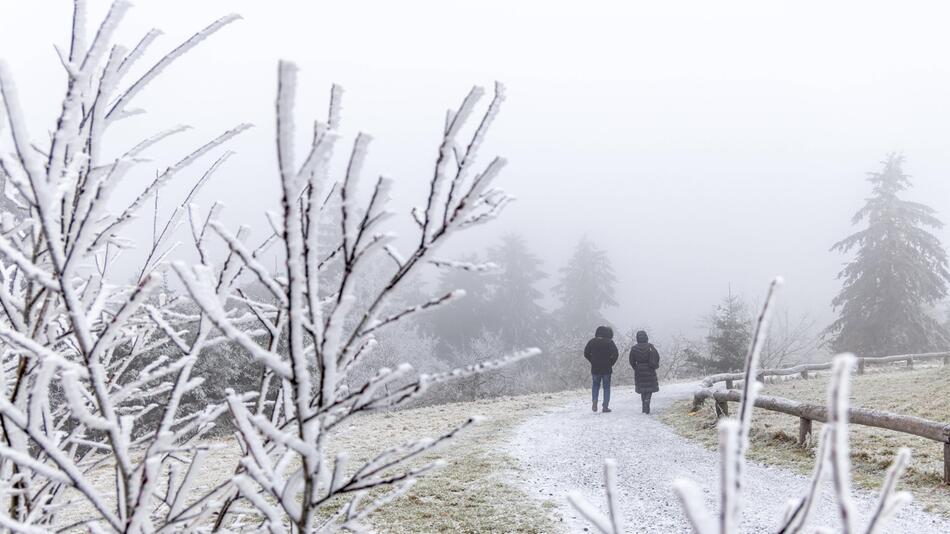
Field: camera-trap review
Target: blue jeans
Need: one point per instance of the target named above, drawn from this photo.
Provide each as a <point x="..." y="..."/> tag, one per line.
<point x="597" y="380"/>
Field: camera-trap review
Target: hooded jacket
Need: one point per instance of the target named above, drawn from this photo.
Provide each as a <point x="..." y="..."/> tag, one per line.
<point x="645" y="360"/>
<point x="601" y="351"/>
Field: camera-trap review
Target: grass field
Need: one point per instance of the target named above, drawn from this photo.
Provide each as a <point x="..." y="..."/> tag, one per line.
<point x="473" y="493"/>
<point x="924" y="392"/>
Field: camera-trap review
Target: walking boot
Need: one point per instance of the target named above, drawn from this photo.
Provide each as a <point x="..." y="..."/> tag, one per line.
<point x="606" y="409"/>
<point x="646" y="407"/>
<point x="593" y="406"/>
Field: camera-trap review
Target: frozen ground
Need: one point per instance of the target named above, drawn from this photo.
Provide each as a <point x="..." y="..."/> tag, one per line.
<point x="564" y="449"/>
<point x="472" y="494"/>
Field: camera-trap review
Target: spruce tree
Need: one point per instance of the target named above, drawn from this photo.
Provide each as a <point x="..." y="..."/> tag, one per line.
<point x="730" y="335"/>
<point x="465" y="319"/>
<point x="513" y="303"/>
<point x="586" y="288"/>
<point x="898" y="273"/>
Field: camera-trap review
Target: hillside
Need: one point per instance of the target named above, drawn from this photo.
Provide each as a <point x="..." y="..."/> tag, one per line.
<point x="922" y="392"/>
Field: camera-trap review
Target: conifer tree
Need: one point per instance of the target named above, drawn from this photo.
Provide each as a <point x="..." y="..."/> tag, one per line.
<point x="729" y="336"/>
<point x="586" y="288"/>
<point x="898" y="273"/>
<point x="466" y="318"/>
<point x="515" y="311"/>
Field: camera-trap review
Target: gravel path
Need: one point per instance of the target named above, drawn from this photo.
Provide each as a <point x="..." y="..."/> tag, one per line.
<point x="564" y="450"/>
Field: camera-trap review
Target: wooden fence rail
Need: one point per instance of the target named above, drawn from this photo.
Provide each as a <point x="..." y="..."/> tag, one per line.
<point x="803" y="369"/>
<point x="807" y="412"/>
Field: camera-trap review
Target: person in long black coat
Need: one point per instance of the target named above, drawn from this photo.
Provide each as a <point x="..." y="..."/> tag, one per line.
<point x="645" y="360"/>
<point x="602" y="354"/>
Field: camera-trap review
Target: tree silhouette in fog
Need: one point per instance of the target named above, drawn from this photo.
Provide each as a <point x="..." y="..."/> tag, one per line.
<point x="516" y="312"/>
<point x="467" y="318"/>
<point x="898" y="273"/>
<point x="586" y="288"/>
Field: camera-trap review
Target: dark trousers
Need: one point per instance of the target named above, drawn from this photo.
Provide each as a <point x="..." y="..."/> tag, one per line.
<point x="596" y="381"/>
<point x="645" y="398"/>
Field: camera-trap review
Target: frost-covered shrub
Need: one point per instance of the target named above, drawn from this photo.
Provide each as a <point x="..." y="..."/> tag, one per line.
<point x="397" y="346"/>
<point x="327" y="337"/>
<point x="330" y="326"/>
<point x="100" y="378"/>
<point x="484" y="385"/>
<point x="561" y="366"/>
<point x="564" y="364"/>
<point x="77" y="389"/>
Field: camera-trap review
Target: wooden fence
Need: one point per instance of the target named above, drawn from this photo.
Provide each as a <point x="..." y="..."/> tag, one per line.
<point x="804" y="368"/>
<point x="807" y="412"/>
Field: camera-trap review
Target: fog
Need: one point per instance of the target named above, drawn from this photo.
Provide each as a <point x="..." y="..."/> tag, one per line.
<point x="704" y="145"/>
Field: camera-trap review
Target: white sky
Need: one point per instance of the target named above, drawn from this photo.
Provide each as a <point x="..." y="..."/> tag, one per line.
<point x="702" y="143"/>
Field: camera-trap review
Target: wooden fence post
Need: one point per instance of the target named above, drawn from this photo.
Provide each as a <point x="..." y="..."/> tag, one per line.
<point x="860" y="366"/>
<point x="946" y="463"/>
<point x="728" y="384"/>
<point x="910" y="363"/>
<point x="805" y="375"/>
<point x="804" y="430"/>
<point x="722" y="409"/>
<point x="946" y="360"/>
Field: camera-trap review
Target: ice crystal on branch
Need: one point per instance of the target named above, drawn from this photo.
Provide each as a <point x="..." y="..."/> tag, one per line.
<point x="82" y="390"/>
<point x="304" y="392"/>
<point x="97" y="375"/>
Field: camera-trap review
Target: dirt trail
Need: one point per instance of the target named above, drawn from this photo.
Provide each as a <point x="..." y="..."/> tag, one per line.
<point x="564" y="449"/>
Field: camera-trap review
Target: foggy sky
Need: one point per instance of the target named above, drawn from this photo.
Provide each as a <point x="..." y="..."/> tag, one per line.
<point x="703" y="144"/>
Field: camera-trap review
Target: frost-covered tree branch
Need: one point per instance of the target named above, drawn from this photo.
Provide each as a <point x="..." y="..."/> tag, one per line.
<point x="317" y="329"/>
<point x="97" y="374"/>
<point x="81" y="387"/>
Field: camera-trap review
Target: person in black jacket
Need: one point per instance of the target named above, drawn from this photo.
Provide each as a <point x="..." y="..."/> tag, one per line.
<point x="602" y="354"/>
<point x="645" y="360"/>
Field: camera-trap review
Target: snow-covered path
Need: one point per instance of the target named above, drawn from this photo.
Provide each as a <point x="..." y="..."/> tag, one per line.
<point x="564" y="449"/>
